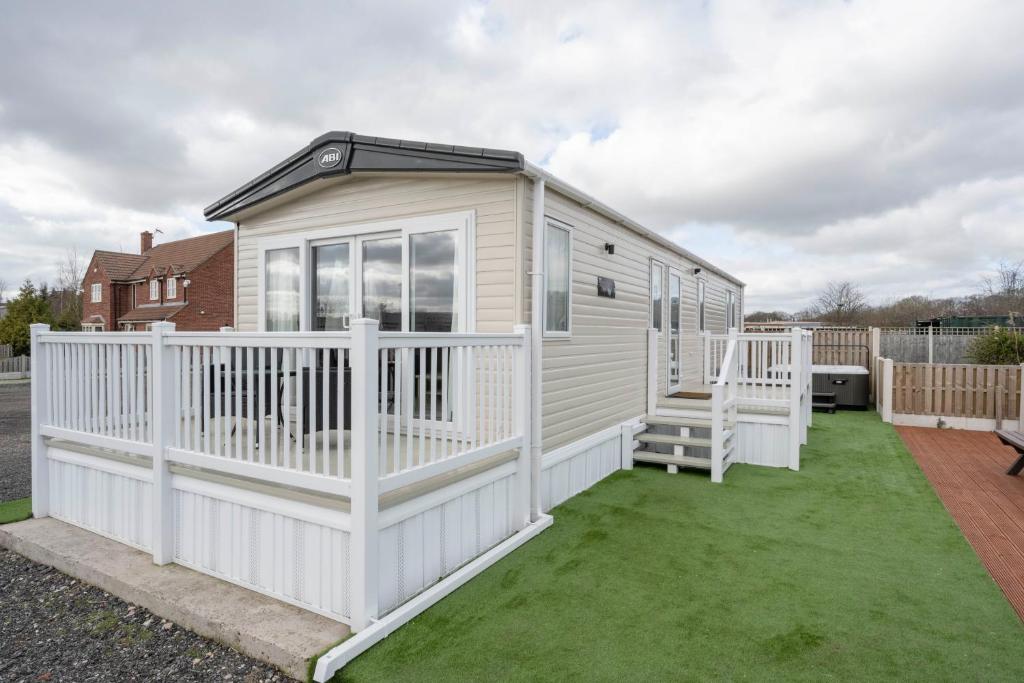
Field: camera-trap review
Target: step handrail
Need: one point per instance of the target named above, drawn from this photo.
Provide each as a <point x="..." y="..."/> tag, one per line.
<point x="723" y="402"/>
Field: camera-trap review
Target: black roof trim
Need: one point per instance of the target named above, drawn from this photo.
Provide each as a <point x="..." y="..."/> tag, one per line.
<point x="362" y="153"/>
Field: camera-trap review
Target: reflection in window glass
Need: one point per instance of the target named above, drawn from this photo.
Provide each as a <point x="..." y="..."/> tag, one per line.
<point x="556" y="275"/>
<point x="433" y="275"/>
<point x="282" y="290"/>
<point x="657" y="277"/>
<point x="700" y="305"/>
<point x="332" y="273"/>
<point x="382" y="282"/>
<point x="674" y="288"/>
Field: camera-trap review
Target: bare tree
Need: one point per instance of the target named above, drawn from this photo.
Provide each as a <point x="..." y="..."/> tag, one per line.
<point x="70" y="272"/>
<point x="840" y="303"/>
<point x="1008" y="280"/>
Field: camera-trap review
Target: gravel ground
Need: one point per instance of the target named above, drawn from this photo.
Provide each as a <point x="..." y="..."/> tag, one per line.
<point x="15" y="449"/>
<point x="55" y="628"/>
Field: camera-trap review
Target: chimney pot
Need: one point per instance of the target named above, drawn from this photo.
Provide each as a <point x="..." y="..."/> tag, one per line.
<point x="147" y="241"/>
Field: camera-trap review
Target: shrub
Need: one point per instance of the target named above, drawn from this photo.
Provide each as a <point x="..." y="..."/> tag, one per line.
<point x="999" y="346"/>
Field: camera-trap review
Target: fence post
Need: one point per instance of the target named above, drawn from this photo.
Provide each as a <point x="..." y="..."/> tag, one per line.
<point x="1020" y="399"/>
<point x="527" y="481"/>
<point x="876" y="349"/>
<point x="652" y="370"/>
<point x="931" y="346"/>
<point x="887" y="389"/>
<point x="365" y="473"/>
<point x="162" y="386"/>
<point x="795" y="380"/>
<point x="40" y="389"/>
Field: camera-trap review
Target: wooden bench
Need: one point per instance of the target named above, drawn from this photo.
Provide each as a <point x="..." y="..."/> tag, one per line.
<point x="1014" y="440"/>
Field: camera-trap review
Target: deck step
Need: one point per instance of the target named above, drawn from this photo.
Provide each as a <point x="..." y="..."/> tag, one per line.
<point x="684" y="404"/>
<point x="697" y="395"/>
<point x="830" y="407"/>
<point x="667" y="459"/>
<point x="694" y="422"/>
<point x="670" y="440"/>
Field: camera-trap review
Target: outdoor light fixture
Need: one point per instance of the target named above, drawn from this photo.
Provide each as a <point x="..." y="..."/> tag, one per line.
<point x="609" y="247"/>
<point x="696" y="271"/>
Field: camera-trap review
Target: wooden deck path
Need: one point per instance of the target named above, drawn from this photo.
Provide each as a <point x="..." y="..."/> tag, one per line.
<point x="968" y="471"/>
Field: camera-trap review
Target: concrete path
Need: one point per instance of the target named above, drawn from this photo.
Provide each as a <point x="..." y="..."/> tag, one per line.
<point x="264" y="628"/>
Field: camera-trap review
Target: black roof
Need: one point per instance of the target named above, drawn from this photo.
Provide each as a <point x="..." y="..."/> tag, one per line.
<point x="343" y="153"/>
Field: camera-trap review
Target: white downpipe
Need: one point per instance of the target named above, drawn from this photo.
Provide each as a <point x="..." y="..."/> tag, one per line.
<point x="537" y="352"/>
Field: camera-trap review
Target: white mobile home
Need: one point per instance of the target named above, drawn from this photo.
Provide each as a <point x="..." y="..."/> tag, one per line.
<point x="394" y="406"/>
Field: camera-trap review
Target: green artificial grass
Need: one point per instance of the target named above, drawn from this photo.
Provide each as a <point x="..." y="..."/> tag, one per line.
<point x="15" y="510"/>
<point x="850" y="569"/>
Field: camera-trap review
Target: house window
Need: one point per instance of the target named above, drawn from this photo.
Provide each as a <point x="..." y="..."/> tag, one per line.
<point x="557" y="280"/>
<point x="154" y="290"/>
<point x="332" y="277"/>
<point x="730" y="309"/>
<point x="97" y="292"/>
<point x="172" y="287"/>
<point x="433" y="282"/>
<point x="281" y="287"/>
<point x="701" y="326"/>
<point x="657" y="278"/>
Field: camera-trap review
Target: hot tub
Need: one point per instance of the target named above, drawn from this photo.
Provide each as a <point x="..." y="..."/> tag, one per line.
<point x="844" y="385"/>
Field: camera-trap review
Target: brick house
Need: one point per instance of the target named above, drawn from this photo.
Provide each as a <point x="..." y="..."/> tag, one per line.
<point x="189" y="282"/>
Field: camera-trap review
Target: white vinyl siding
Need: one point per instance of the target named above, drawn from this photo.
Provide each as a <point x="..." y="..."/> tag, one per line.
<point x="352" y="201"/>
<point x="598" y="378"/>
<point x="96" y="293"/>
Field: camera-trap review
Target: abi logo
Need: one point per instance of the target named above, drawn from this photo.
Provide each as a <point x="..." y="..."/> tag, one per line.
<point x="329" y="158"/>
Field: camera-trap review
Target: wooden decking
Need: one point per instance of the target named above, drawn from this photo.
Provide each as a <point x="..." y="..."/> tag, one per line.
<point x="968" y="471"/>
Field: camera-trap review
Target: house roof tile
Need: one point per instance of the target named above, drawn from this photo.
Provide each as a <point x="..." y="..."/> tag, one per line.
<point x="150" y="313"/>
<point x="181" y="256"/>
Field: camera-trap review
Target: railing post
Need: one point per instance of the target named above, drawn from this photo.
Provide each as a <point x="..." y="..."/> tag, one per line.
<point x="162" y="386"/>
<point x="365" y="473"/>
<point x="626" y="447"/>
<point x="887" y="390"/>
<point x="876" y="349"/>
<point x="652" y="370"/>
<point x="717" y="427"/>
<point x="705" y="338"/>
<point x="795" y="391"/>
<point x="40" y="389"/>
<point x="527" y="476"/>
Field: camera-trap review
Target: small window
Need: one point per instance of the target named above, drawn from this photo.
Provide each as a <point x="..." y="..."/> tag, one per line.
<point x="97" y="293"/>
<point x="557" y="280"/>
<point x="701" y="326"/>
<point x="172" y="287"/>
<point x="281" y="290"/>
<point x="154" y="290"/>
<point x="657" y="278"/>
<point x="730" y="309"/>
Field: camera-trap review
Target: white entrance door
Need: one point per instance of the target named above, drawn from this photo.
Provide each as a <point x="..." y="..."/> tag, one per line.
<point x="675" y="337"/>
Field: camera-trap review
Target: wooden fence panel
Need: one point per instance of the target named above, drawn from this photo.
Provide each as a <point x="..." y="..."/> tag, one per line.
<point x="957" y="390"/>
<point x="842" y="347"/>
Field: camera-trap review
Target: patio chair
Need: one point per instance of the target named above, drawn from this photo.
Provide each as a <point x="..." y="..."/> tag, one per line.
<point x="1014" y="440"/>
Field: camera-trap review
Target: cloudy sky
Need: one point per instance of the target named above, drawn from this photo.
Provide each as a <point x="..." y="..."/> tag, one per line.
<point x="790" y="142"/>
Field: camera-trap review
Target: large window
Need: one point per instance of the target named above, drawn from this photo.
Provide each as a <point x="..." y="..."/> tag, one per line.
<point x="433" y="281"/>
<point x="332" y="277"/>
<point x="382" y="282"/>
<point x="557" y="280"/>
<point x="154" y="290"/>
<point x="281" y="287"/>
<point x="97" y="293"/>
<point x="657" y="283"/>
<point x="700" y="306"/>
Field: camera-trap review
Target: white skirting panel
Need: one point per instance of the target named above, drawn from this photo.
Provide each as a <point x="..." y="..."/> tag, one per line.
<point x="282" y="548"/>
<point x="760" y="443"/>
<point x="463" y="522"/>
<point x="104" y="496"/>
<point x="579" y="465"/>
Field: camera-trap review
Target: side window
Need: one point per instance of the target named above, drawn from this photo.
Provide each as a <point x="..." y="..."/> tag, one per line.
<point x="657" y="282"/>
<point x="730" y="309"/>
<point x="97" y="293"/>
<point x="701" y="323"/>
<point x="557" y="280"/>
<point x="154" y="290"/>
<point x="172" y="287"/>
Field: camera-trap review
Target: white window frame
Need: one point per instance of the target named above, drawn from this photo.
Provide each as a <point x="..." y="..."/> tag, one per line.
<point x="555" y="224"/>
<point x="702" y="305"/>
<point x="154" y="290"/>
<point x="730" y="309"/>
<point x="462" y="222"/>
<point x="96" y="293"/>
<point x="650" y="295"/>
<point x="172" y="288"/>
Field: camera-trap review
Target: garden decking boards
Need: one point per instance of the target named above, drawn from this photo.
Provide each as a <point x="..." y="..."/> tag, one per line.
<point x="968" y="471"/>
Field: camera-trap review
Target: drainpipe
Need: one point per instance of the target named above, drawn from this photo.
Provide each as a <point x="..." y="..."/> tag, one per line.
<point x="537" y="352"/>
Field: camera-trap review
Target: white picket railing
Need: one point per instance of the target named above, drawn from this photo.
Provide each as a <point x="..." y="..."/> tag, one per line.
<point x="724" y="402"/>
<point x="355" y="415"/>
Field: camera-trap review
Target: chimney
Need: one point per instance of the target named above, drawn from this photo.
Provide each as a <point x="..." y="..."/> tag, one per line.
<point x="147" y="241"/>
